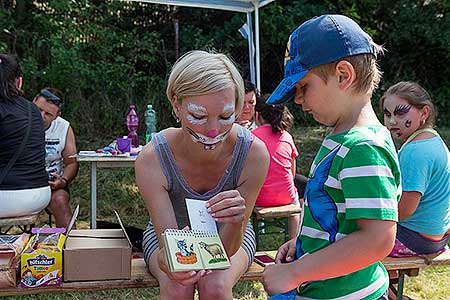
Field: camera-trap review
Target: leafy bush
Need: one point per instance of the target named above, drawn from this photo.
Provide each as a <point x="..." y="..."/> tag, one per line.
<point x="105" y="55"/>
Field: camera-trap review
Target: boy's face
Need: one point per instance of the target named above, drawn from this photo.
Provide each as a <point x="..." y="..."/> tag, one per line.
<point x="314" y="95"/>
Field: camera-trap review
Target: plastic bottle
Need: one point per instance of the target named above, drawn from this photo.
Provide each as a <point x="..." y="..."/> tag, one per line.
<point x="150" y="121"/>
<point x="132" y="125"/>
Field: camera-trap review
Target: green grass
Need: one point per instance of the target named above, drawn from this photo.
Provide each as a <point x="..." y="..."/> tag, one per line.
<point x="116" y="190"/>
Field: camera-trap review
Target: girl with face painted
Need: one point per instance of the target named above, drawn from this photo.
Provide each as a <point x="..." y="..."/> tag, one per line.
<point x="209" y="158"/>
<point x="424" y="208"/>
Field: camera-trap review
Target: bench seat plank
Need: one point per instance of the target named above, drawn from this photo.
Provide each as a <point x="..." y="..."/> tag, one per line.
<point x="393" y="263"/>
<point x="23" y="220"/>
<point x="276" y="211"/>
<point x="140" y="278"/>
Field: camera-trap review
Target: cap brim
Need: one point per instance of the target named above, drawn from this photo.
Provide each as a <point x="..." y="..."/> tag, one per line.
<point x="285" y="91"/>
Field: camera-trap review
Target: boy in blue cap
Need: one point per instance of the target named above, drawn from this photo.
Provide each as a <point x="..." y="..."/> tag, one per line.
<point x="350" y="208"/>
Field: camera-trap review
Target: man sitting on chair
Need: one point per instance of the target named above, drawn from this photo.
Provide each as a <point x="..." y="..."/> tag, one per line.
<point x="60" y="146"/>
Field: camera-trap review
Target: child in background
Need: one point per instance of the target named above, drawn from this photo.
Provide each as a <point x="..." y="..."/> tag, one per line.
<point x="350" y="208"/>
<point x="424" y="208"/>
<point x="273" y="122"/>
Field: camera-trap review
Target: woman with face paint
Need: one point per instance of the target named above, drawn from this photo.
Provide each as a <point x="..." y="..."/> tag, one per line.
<point x="424" y="208"/>
<point x="209" y="158"/>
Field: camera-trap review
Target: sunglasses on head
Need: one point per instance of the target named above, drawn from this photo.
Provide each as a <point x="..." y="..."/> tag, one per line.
<point x="51" y="97"/>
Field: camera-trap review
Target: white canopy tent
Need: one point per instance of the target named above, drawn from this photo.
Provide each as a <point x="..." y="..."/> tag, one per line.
<point x="245" y="6"/>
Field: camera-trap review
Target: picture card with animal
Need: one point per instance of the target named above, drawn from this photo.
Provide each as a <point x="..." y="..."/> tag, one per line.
<point x="187" y="250"/>
<point x="199" y="217"/>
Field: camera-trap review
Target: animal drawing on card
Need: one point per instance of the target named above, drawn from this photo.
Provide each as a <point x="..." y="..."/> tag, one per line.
<point x="215" y="251"/>
<point x="185" y="255"/>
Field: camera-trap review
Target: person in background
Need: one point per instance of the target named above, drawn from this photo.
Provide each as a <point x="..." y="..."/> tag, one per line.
<point x="24" y="188"/>
<point x="351" y="197"/>
<point x="274" y="122"/>
<point x="209" y="158"/>
<point x="60" y="146"/>
<point x="424" y="208"/>
<point x="247" y="116"/>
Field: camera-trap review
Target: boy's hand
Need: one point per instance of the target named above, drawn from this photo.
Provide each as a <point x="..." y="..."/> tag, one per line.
<point x="286" y="253"/>
<point x="227" y="207"/>
<point x="279" y="278"/>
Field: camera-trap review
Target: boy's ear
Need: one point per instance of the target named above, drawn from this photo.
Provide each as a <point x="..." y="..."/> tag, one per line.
<point x="345" y="74"/>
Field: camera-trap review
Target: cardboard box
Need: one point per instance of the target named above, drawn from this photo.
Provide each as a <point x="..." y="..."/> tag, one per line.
<point x="97" y="254"/>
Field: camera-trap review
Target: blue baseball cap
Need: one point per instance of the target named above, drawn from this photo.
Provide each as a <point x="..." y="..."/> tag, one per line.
<point x="318" y="41"/>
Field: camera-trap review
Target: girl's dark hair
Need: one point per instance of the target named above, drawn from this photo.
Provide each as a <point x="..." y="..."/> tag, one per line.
<point x="10" y="71"/>
<point x="278" y="116"/>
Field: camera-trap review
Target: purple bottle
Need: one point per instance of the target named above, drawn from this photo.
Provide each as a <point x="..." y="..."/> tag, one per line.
<point x="132" y="125"/>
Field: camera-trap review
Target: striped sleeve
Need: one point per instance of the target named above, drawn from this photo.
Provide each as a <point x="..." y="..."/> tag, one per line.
<point x="370" y="183"/>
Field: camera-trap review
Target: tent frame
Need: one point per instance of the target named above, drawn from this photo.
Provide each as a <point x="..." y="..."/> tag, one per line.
<point x="244" y="6"/>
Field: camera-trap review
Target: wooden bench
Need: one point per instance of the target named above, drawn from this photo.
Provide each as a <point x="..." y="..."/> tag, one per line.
<point x="399" y="267"/>
<point x="277" y="216"/>
<point x="141" y="277"/>
<point x="24" y="223"/>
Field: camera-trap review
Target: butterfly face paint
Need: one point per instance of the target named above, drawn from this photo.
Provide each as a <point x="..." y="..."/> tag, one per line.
<point x="208" y="142"/>
<point x="400" y="117"/>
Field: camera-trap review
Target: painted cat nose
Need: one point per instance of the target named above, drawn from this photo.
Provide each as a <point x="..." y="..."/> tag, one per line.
<point x="212" y="133"/>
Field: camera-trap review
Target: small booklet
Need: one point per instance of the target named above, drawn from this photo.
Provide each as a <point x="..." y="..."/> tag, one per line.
<point x="187" y="250"/>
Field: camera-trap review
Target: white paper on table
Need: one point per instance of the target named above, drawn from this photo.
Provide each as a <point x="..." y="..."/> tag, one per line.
<point x="199" y="217"/>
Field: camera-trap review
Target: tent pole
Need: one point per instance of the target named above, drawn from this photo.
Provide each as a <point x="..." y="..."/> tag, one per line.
<point x="258" y="69"/>
<point x="251" y="52"/>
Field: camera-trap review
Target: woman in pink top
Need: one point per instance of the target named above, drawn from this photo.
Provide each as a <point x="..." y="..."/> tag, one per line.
<point x="273" y="122"/>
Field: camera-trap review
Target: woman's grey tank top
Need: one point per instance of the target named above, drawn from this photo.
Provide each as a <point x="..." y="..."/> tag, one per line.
<point x="179" y="189"/>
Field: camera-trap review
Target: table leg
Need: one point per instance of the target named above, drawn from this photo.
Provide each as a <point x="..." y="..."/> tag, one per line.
<point x="93" y="195"/>
<point x="401" y="283"/>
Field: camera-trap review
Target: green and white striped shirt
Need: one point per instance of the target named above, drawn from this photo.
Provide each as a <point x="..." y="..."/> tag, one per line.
<point x="355" y="175"/>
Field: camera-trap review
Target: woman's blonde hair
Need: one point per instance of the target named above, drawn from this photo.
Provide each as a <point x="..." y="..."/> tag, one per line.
<point x="199" y="73"/>
<point x="415" y="95"/>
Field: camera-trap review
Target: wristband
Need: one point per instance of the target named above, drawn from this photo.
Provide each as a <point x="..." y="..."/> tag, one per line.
<point x="65" y="180"/>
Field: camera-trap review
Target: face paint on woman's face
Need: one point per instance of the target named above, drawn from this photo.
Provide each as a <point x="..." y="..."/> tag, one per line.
<point x="208" y="142"/>
<point x="228" y="109"/>
<point x="408" y="123"/>
<point x="197" y="114"/>
<point x="209" y="118"/>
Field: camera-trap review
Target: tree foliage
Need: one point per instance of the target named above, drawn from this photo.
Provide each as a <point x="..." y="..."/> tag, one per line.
<point x="105" y="55"/>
